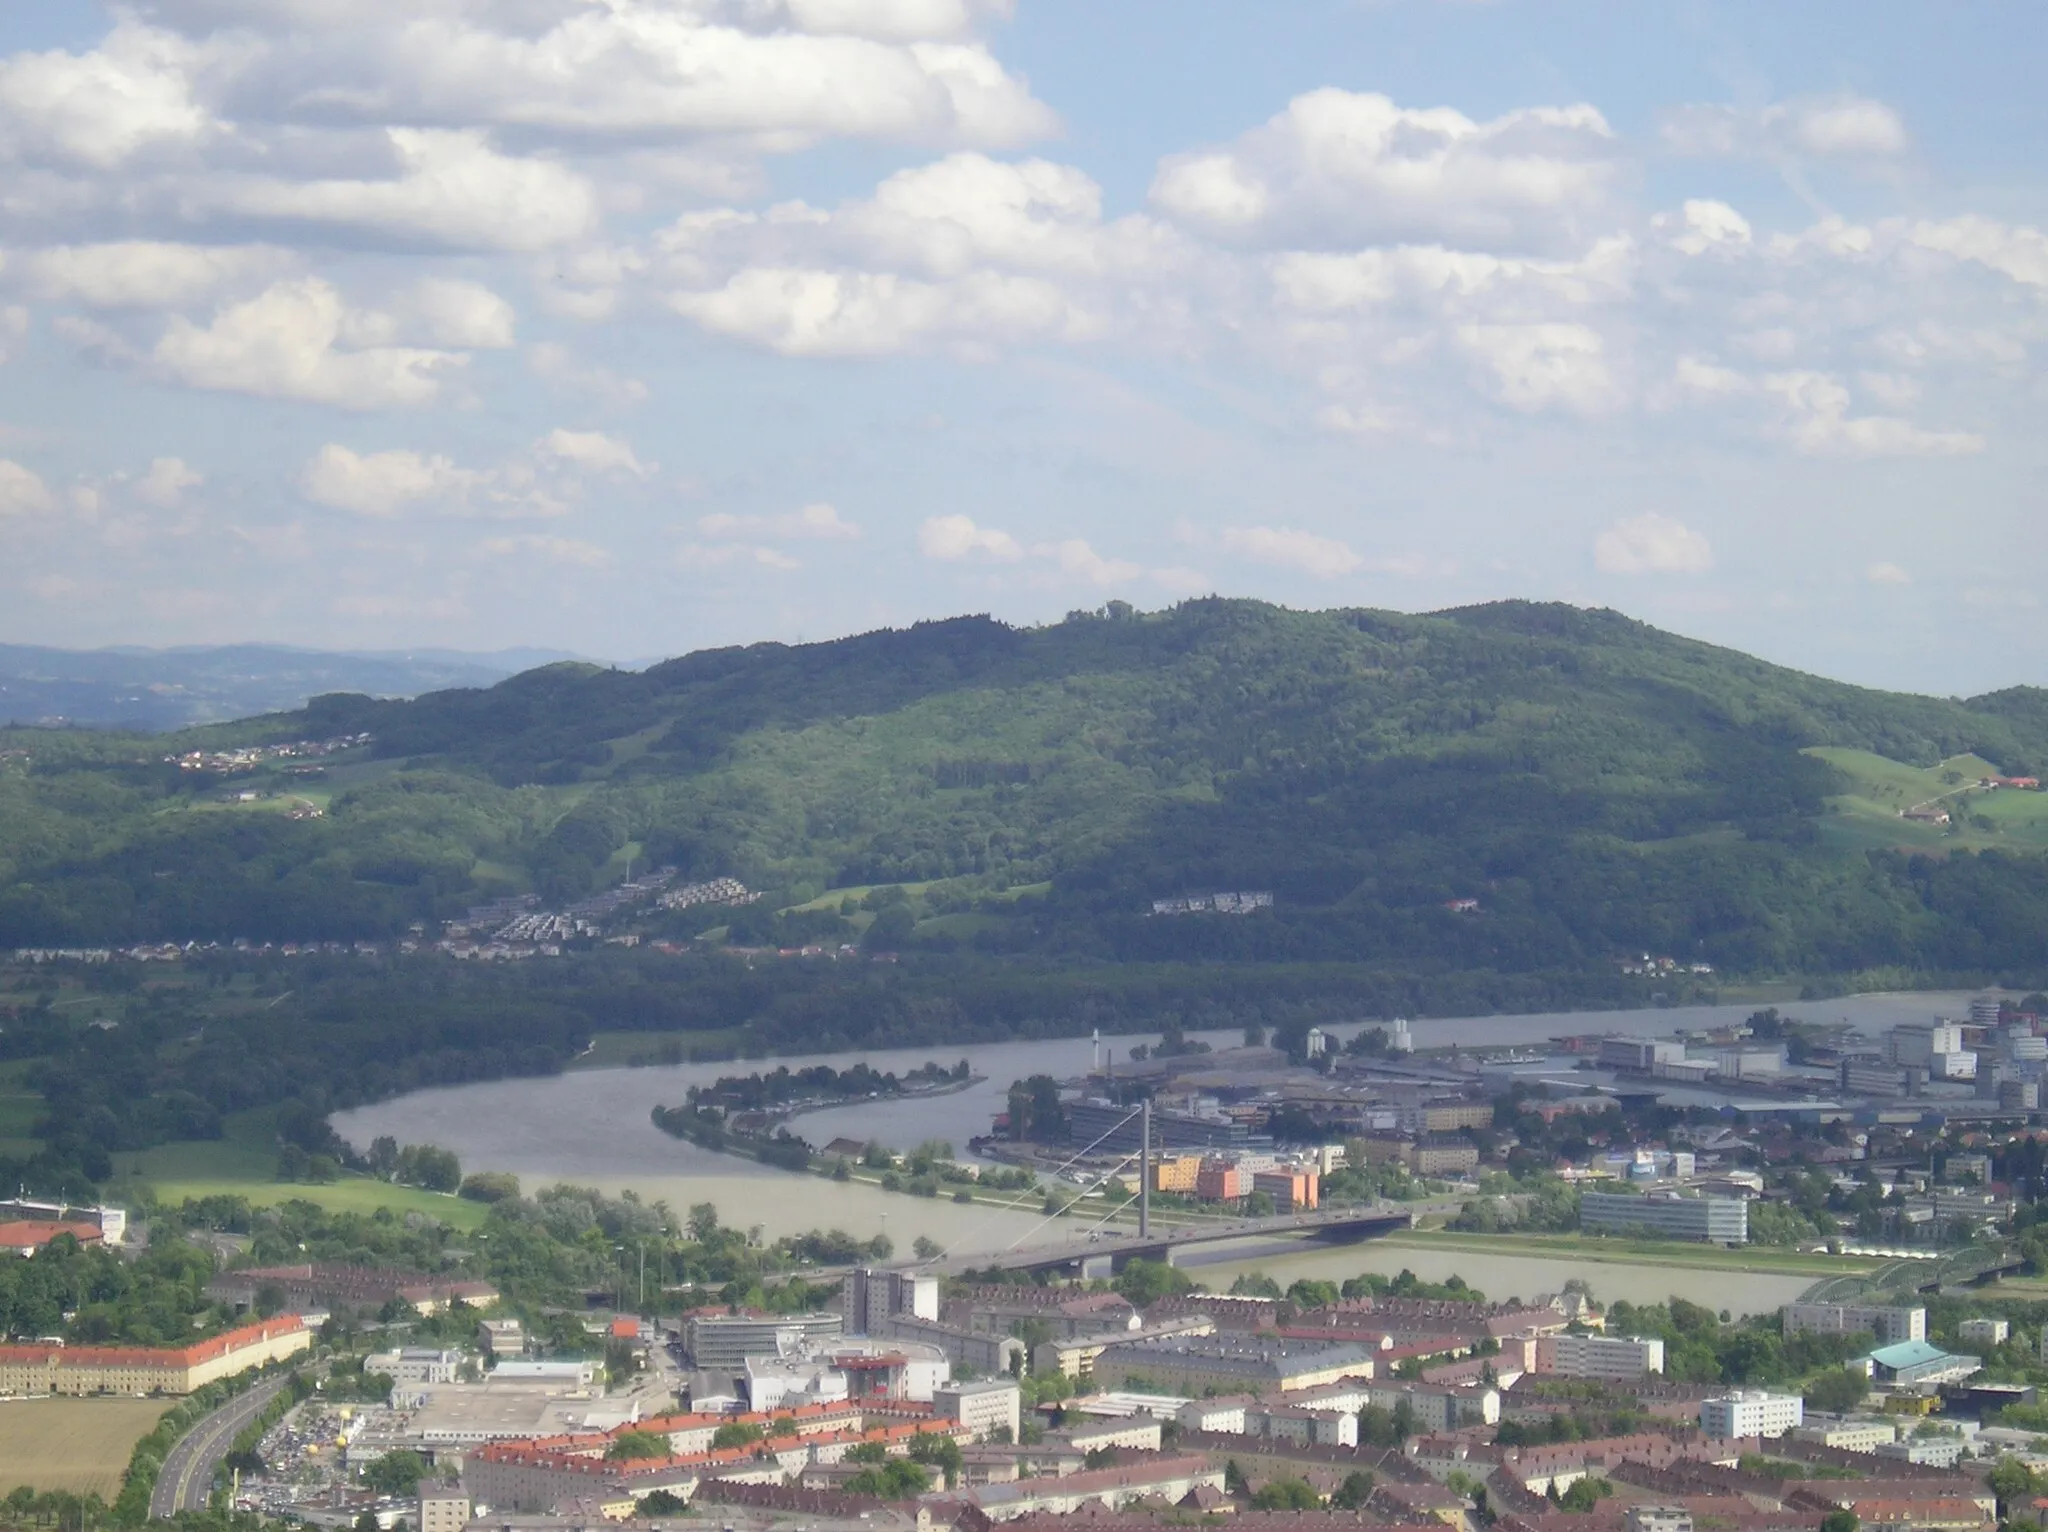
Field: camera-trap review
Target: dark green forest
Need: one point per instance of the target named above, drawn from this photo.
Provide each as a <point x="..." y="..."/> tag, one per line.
<point x="1599" y="786"/>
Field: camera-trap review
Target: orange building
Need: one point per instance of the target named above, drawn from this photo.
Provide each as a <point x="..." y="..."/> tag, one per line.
<point x="1292" y="1191"/>
<point x="1220" y="1182"/>
<point x="1177" y="1173"/>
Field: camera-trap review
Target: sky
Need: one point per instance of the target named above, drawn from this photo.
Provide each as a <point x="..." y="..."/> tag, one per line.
<point x="629" y="327"/>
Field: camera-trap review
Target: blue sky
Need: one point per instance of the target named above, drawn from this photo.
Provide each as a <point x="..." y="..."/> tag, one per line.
<point x="635" y="326"/>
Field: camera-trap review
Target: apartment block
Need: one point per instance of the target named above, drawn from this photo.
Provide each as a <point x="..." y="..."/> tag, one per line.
<point x="1751" y="1412"/>
<point x="1620" y="1359"/>
<point x="1891" y="1324"/>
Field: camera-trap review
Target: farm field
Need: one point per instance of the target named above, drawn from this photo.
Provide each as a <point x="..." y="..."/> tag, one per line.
<point x="78" y="1445"/>
<point x="1866" y="817"/>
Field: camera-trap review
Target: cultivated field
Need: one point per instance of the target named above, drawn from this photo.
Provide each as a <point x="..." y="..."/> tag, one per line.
<point x="1867" y="816"/>
<point x="80" y="1445"/>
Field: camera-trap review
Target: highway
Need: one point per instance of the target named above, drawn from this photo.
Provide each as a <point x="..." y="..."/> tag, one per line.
<point x="186" y="1482"/>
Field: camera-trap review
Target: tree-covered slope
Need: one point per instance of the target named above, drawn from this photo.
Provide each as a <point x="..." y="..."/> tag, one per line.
<point x="1599" y="787"/>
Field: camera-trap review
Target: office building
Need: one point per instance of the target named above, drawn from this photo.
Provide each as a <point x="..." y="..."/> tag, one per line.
<point x="1751" y="1412"/>
<point x="723" y="1342"/>
<point x="1723" y="1220"/>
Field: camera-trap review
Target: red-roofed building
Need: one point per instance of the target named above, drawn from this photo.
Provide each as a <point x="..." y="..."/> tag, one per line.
<point x="27" y="1236"/>
<point x="149" y="1370"/>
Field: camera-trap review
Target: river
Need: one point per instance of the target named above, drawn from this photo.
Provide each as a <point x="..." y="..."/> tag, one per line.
<point x="592" y="1127"/>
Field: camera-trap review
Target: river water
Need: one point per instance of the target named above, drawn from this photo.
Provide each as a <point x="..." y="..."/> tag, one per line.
<point x="592" y="1127"/>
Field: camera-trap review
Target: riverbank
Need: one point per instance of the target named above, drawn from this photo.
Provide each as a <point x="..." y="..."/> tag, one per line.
<point x="1600" y="1251"/>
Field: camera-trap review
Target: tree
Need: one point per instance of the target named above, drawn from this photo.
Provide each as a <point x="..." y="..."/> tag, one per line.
<point x="2013" y="1483"/>
<point x="1146" y="1282"/>
<point x="396" y="1473"/>
<point x="1836" y="1392"/>
<point x="1353" y="1493"/>
<point x="897" y="1479"/>
<point x="662" y="1502"/>
<point x="925" y="1248"/>
<point x="1287" y="1495"/>
<point x="939" y="1451"/>
<point x="1585" y="1493"/>
<point x="736" y="1433"/>
<point x="1841" y="1519"/>
<point x="632" y="1446"/>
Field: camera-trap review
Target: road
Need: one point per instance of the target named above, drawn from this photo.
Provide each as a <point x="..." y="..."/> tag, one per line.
<point x="187" y="1478"/>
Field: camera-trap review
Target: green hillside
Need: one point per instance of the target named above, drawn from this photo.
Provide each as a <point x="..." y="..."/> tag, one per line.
<point x="1599" y="786"/>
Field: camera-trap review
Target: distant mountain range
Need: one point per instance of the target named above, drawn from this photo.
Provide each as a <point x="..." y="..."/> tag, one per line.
<point x="155" y="689"/>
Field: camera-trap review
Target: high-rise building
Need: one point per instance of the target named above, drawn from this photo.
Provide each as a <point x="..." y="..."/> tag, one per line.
<point x="870" y="1295"/>
<point x="1751" y="1412"/>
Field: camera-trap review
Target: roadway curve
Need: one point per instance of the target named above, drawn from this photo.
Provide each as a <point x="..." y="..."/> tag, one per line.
<point x="186" y="1481"/>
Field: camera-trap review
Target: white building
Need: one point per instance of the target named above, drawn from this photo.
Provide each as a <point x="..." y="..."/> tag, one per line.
<point x="1917" y="1044"/>
<point x="1988" y="1332"/>
<point x="1622" y="1359"/>
<point x="1859" y="1434"/>
<point x="416" y="1364"/>
<point x="985" y="1406"/>
<point x="1890" y="1325"/>
<point x="1751" y="1412"/>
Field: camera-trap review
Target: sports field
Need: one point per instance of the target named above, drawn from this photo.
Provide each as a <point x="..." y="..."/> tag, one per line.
<point x="80" y="1445"/>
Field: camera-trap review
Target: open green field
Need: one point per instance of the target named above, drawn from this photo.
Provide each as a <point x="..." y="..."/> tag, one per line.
<point x="1641" y="1252"/>
<point x="243" y="1164"/>
<point x="78" y="1445"/>
<point x="19" y="1109"/>
<point x="1866" y="817"/>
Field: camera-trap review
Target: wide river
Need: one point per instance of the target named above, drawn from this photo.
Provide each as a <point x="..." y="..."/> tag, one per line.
<point x="592" y="1127"/>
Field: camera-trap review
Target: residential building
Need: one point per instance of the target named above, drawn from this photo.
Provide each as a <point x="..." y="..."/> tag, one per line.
<point x="723" y="1342"/>
<point x="1621" y="1359"/>
<point x="27" y="1236"/>
<point x="1219" y="1181"/>
<point x="1658" y="1518"/>
<point x="1853" y="1434"/>
<point x="1751" y="1412"/>
<point x="1890" y="1324"/>
<point x="1229" y="1364"/>
<point x="1723" y="1220"/>
<point x="501" y="1337"/>
<point x="1448" y="1155"/>
<point x="1926" y="1451"/>
<point x="1165" y="1478"/>
<point x="1222" y="1416"/>
<point x="989" y="1355"/>
<point x="416" y="1364"/>
<point x="869" y="1295"/>
<point x="985" y="1407"/>
<point x="1292" y="1191"/>
<point x="62" y="1369"/>
<point x="1439" y="1406"/>
<point x="1077" y="1357"/>
<point x="1985" y="1332"/>
<point x="1176" y="1173"/>
<point x="1453" y="1116"/>
<point x="1132" y="1433"/>
<point x="442" y="1510"/>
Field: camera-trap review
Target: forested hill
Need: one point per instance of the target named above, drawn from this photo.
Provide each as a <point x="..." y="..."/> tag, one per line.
<point x="1598" y="786"/>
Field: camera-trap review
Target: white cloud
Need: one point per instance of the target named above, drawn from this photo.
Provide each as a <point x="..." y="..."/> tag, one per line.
<point x="1817" y="421"/>
<point x="559" y="550"/>
<point x="100" y="109"/>
<point x="22" y="491"/>
<point x="548" y="479"/>
<point x="1708" y="225"/>
<point x="383" y="483"/>
<point x="952" y="538"/>
<point x="718" y="555"/>
<point x="1287" y="548"/>
<point x="1882" y="573"/>
<point x="167" y="480"/>
<point x="1340" y="168"/>
<point x="596" y="452"/>
<point x="813" y="523"/>
<point x="1544" y="366"/>
<point x="147" y="274"/>
<point x="2020" y="253"/>
<point x="446" y="187"/>
<point x="460" y="314"/>
<point x="1076" y="557"/>
<point x="1651" y="543"/>
<point x="288" y="343"/>
<point x="1821" y="127"/>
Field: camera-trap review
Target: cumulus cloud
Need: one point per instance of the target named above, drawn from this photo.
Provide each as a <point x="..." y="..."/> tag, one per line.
<point x="1817" y="420"/>
<point x="1883" y="573"/>
<point x="22" y="491"/>
<point x="101" y="109"/>
<point x="447" y="187"/>
<point x="1075" y="557"/>
<point x="1288" y="548"/>
<point x="548" y="479"/>
<point x="166" y="482"/>
<point x="1340" y="168"/>
<point x="1651" y="543"/>
<point x="289" y="342"/>
<point x="147" y="274"/>
<point x="952" y="538"/>
<point x="1820" y="127"/>
<point x="1536" y="367"/>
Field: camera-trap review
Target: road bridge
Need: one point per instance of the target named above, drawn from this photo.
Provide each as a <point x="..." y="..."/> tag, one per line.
<point x="1103" y="1252"/>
